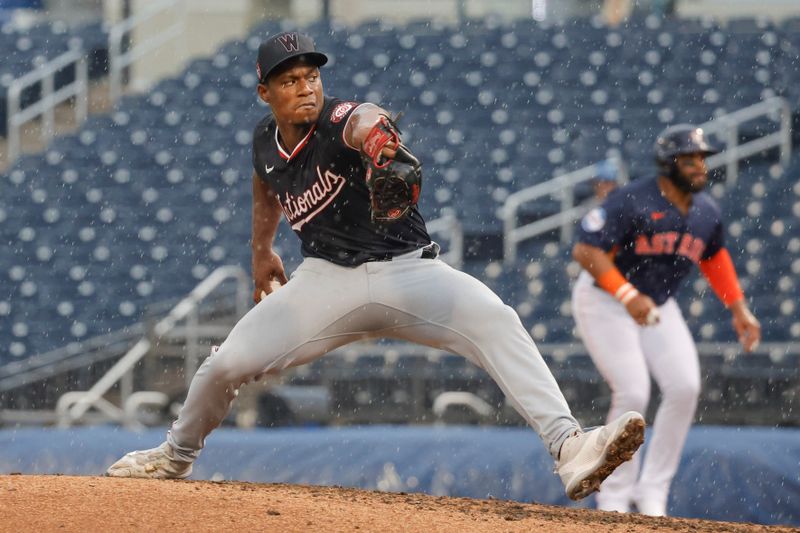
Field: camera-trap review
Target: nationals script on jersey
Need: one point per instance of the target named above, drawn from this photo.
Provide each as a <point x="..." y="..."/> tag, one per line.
<point x="322" y="190"/>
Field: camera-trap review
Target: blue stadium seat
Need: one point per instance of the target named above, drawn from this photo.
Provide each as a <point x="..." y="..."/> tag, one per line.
<point x="152" y="196"/>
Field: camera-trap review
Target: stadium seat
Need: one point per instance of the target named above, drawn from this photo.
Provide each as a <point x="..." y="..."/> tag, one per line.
<point x="151" y="197"/>
<point x="26" y="47"/>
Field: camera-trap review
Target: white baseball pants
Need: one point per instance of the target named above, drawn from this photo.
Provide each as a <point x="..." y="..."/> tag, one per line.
<point x="626" y="354"/>
<point x="325" y="306"/>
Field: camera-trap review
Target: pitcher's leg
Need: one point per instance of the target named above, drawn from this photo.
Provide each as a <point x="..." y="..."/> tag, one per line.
<point x="285" y="327"/>
<point x="454" y="311"/>
<point x="672" y="358"/>
<point x="612" y="340"/>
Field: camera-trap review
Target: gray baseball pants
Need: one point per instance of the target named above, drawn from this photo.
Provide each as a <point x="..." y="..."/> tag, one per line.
<point x="325" y="306"/>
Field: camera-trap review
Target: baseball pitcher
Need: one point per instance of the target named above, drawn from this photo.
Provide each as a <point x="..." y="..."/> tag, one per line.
<point x="348" y="186"/>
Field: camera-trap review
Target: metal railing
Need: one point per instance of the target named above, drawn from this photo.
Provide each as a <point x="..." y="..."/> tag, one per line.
<point x="725" y="127"/>
<point x="72" y="406"/>
<point x="48" y="99"/>
<point x="120" y="59"/>
<point x="72" y="357"/>
<point x="450" y="226"/>
<point x="562" y="187"/>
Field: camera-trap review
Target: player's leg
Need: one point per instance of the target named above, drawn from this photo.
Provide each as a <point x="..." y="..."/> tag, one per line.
<point x="314" y="313"/>
<point x="438" y="306"/>
<point x="672" y="358"/>
<point x="612" y="339"/>
<point x="451" y="310"/>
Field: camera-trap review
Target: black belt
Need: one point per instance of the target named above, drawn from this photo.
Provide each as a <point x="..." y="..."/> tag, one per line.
<point x="429" y="252"/>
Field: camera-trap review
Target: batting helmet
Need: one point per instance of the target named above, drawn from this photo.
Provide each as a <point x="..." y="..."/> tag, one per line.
<point x="677" y="140"/>
<point x="681" y="139"/>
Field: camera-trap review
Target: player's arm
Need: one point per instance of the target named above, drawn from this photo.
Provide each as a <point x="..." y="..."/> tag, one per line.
<point x="721" y="275"/>
<point x="360" y="125"/>
<point x="267" y="212"/>
<point x="393" y="175"/>
<point x="598" y="263"/>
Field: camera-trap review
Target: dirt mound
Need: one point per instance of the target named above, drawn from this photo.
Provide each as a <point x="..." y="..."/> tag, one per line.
<point x="64" y="503"/>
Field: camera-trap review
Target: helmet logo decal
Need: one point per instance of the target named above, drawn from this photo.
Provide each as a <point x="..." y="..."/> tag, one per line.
<point x="289" y="42"/>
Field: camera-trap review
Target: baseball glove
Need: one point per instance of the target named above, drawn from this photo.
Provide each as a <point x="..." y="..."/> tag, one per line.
<point x="394" y="184"/>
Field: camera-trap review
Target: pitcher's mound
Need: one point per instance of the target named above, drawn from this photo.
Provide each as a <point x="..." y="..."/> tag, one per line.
<point x="65" y="503"/>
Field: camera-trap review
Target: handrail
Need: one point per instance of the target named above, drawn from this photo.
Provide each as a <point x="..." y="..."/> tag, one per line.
<point x="49" y="98"/>
<point x="71" y="357"/>
<point x="725" y="126"/>
<point x="119" y="60"/>
<point x="448" y="399"/>
<point x="91" y="351"/>
<point x="563" y="186"/>
<point x="450" y="225"/>
<point x="81" y="401"/>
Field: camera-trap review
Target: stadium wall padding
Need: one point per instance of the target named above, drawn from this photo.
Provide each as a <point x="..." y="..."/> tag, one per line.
<point x="733" y="474"/>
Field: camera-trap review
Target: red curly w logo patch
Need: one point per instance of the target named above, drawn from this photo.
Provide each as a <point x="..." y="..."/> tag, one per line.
<point x="289" y="42"/>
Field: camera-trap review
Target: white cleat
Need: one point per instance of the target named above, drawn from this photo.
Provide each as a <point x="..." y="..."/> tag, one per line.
<point x="156" y="463"/>
<point x="586" y="459"/>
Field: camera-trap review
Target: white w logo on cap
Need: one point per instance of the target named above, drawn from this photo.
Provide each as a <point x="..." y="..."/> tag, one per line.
<point x="289" y="42"/>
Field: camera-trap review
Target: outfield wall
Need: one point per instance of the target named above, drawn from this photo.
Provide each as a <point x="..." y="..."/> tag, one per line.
<point x="735" y="474"/>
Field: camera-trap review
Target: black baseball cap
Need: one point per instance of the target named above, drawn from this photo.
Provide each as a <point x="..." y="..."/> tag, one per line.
<point x="283" y="46"/>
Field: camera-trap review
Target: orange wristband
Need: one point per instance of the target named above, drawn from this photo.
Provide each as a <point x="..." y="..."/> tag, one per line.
<point x="613" y="282"/>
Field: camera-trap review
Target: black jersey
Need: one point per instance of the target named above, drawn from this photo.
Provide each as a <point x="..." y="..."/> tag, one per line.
<point x="321" y="187"/>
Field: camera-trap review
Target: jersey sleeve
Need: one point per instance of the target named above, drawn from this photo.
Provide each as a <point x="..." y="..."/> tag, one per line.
<point x="256" y="167"/>
<point x="715" y="243"/>
<point x="260" y="141"/>
<point x="335" y="116"/>
<point x="606" y="225"/>
<point x="717" y="240"/>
